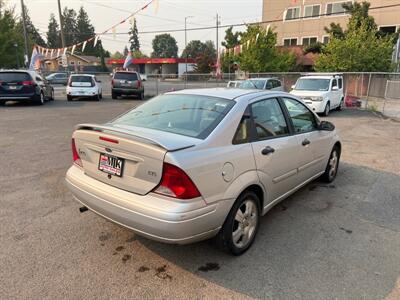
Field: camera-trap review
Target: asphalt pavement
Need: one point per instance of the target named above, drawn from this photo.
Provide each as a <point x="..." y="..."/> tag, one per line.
<point x="335" y="241"/>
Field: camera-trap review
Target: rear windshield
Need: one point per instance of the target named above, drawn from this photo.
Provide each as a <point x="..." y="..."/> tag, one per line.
<point x="14" y="76"/>
<point x="126" y="76"/>
<point x="81" y="79"/>
<point x="252" y="84"/>
<point x="312" y="84"/>
<point x="189" y="115"/>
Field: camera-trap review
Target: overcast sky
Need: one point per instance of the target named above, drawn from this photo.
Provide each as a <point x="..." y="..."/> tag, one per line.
<point x="170" y="15"/>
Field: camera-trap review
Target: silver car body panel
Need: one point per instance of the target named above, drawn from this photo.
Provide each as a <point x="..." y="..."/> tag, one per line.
<point x="220" y="170"/>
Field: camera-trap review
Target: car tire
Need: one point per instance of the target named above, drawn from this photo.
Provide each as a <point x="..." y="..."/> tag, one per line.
<point x="241" y="225"/>
<point x="341" y="105"/>
<point x="51" y="95"/>
<point x="332" y="166"/>
<point x="2" y="102"/>
<point x="40" y="99"/>
<point x="96" y="97"/>
<point x="114" y="96"/>
<point x="101" y="95"/>
<point x="327" y="110"/>
<point x="69" y="98"/>
<point x="141" y="96"/>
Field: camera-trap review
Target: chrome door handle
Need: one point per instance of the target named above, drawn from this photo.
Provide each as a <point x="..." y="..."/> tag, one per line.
<point x="306" y="142"/>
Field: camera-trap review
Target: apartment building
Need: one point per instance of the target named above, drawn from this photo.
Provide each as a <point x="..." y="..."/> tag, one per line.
<point x="304" y="20"/>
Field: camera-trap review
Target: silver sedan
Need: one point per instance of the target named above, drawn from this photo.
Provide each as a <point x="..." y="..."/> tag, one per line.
<point x="196" y="164"/>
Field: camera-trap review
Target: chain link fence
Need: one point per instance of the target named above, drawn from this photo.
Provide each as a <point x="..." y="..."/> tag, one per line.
<point x="379" y="92"/>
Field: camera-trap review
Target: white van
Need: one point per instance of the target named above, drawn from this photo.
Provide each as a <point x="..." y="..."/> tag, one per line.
<point x="321" y="93"/>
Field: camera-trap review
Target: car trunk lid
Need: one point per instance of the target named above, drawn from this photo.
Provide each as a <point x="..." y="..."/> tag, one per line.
<point x="141" y="154"/>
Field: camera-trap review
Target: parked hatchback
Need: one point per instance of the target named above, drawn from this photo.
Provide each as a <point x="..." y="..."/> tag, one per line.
<point x="127" y="83"/>
<point x="84" y="86"/>
<point x="321" y="93"/>
<point x="271" y="84"/>
<point x="195" y="164"/>
<point x="24" y="86"/>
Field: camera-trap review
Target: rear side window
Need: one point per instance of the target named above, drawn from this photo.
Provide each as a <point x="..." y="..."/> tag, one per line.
<point x="14" y="77"/>
<point x="126" y="76"/>
<point x="269" y="120"/>
<point x="81" y="79"/>
<point x="340" y="80"/>
<point x="190" y="115"/>
<point x="277" y="83"/>
<point x="269" y="85"/>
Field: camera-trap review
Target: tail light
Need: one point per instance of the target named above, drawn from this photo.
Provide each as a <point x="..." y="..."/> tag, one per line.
<point x="139" y="84"/>
<point x="28" y="82"/>
<point x="75" y="154"/>
<point x="112" y="83"/>
<point x="176" y="183"/>
<point x="69" y="82"/>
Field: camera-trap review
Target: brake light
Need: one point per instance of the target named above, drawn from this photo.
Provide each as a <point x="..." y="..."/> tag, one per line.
<point x="28" y="82"/>
<point x="106" y="139"/>
<point x="139" y="84"/>
<point x="75" y="154"/>
<point x="176" y="183"/>
<point x="112" y="82"/>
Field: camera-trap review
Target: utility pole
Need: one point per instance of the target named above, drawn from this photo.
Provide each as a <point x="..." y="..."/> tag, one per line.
<point x="186" y="54"/>
<point x="61" y="24"/>
<point x="26" y="59"/>
<point x="217" y="27"/>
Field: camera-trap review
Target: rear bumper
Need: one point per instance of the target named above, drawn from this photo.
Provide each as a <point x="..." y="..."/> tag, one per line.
<point x="18" y="97"/>
<point x="316" y="106"/>
<point x="153" y="216"/>
<point x="123" y="91"/>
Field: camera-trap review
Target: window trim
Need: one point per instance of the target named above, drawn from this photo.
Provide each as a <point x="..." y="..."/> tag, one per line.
<point x="324" y="36"/>
<point x="292" y="20"/>
<point x="333" y="15"/>
<point x="312" y="5"/>
<point x="290" y="38"/>
<point x="316" y="119"/>
<point x="253" y="130"/>
<point x="394" y="25"/>
<point x="308" y="37"/>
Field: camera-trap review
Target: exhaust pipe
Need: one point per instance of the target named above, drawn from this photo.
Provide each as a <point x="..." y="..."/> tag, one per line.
<point x="83" y="209"/>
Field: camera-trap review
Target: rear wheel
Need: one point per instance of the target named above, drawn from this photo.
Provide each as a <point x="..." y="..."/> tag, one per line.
<point x="2" y="102"/>
<point x="52" y="95"/>
<point x="341" y="105"/>
<point x="332" y="167"/>
<point x="141" y="96"/>
<point x="241" y="226"/>
<point x="69" y="98"/>
<point x="327" y="110"/>
<point x="40" y="99"/>
<point x="96" y="97"/>
<point x="114" y="95"/>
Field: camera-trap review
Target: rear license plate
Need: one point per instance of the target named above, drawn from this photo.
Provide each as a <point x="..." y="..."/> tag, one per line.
<point x="11" y="87"/>
<point x="111" y="164"/>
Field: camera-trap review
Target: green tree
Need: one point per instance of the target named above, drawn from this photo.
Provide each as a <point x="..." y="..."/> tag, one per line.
<point x="117" y="55"/>
<point x="360" y="51"/>
<point x="359" y="48"/>
<point x="262" y="55"/>
<point x="193" y="49"/>
<point x="231" y="39"/>
<point x="70" y="26"/>
<point x="206" y="60"/>
<point x="84" y="31"/>
<point x="134" y="38"/>
<point x="10" y="37"/>
<point x="139" y="54"/>
<point x="53" y="33"/>
<point x="125" y="51"/>
<point x="164" y="46"/>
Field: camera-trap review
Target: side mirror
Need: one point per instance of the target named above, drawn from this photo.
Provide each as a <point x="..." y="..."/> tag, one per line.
<point x="326" y="126"/>
<point x="293" y="86"/>
<point x="335" y="88"/>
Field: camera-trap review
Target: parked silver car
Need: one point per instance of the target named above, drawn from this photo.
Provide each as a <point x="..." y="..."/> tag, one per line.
<point x="271" y="84"/>
<point x="195" y="164"/>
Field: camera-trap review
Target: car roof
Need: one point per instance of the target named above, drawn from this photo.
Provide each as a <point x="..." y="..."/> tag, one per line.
<point x="263" y="78"/>
<point x="227" y="93"/>
<point x="125" y="72"/>
<point x="318" y="77"/>
<point x="90" y="75"/>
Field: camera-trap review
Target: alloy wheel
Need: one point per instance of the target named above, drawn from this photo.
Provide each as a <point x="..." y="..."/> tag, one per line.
<point x="333" y="164"/>
<point x="245" y="224"/>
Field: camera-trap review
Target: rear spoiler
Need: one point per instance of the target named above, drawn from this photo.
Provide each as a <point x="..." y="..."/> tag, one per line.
<point x="126" y="133"/>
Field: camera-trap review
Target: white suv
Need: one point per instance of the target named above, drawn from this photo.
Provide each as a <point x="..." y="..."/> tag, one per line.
<point x="84" y="86"/>
<point x="321" y="93"/>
